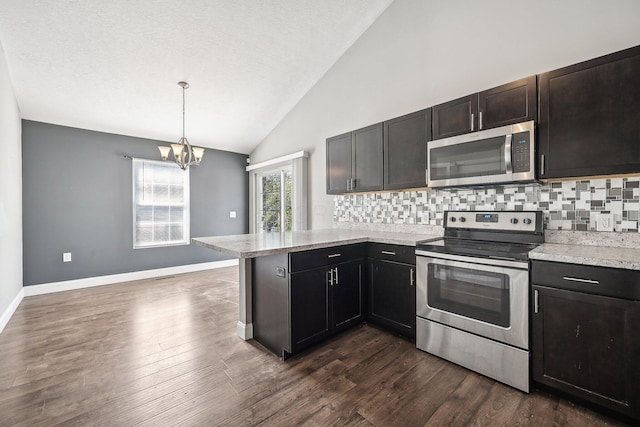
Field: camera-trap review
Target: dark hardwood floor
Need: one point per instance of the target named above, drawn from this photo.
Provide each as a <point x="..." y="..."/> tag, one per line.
<point x="164" y="352"/>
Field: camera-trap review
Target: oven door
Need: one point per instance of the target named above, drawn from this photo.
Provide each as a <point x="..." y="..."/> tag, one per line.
<point x="486" y="297"/>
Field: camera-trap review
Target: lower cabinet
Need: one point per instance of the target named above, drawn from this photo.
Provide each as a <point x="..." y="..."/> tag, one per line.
<point x="392" y="293"/>
<point x="584" y="343"/>
<point x="305" y="297"/>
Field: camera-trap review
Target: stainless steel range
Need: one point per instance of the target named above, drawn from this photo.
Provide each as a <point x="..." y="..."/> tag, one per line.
<point x="472" y="292"/>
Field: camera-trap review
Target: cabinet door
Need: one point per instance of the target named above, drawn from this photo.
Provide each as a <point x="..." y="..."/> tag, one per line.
<point x="455" y="117"/>
<point x="392" y="296"/>
<point x="347" y="295"/>
<point x="507" y="104"/>
<point x="338" y="163"/>
<point x="405" y="150"/>
<point x="309" y="305"/>
<point x="367" y="158"/>
<point x="587" y="345"/>
<point x="589" y="122"/>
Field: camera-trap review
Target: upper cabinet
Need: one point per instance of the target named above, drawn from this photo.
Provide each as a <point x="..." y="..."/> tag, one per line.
<point x="405" y="150"/>
<point x="354" y="161"/>
<point x="590" y="117"/>
<point x="503" y="105"/>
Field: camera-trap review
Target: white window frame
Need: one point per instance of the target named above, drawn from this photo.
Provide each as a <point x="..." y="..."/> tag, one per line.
<point x="186" y="235"/>
<point x="298" y="163"/>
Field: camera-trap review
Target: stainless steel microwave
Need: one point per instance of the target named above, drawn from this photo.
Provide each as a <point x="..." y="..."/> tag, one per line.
<point x="499" y="155"/>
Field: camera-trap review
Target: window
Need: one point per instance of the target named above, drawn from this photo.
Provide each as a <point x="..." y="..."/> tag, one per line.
<point x="278" y="200"/>
<point x="160" y="204"/>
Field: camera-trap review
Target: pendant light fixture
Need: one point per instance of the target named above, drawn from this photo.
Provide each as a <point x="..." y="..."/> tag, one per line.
<point x="183" y="153"/>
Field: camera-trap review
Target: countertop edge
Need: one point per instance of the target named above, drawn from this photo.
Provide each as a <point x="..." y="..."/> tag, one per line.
<point x="604" y="256"/>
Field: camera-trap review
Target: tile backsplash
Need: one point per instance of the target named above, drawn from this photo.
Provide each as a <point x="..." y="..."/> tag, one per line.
<point x="567" y="205"/>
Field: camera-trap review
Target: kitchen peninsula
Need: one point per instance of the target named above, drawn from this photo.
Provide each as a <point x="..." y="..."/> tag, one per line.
<point x="249" y="246"/>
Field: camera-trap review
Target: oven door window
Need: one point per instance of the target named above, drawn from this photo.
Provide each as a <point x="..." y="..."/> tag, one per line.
<point x="475" y="294"/>
<point x="477" y="158"/>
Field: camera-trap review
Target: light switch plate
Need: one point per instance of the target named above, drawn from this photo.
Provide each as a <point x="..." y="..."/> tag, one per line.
<point x="232" y="214"/>
<point x="605" y="222"/>
<point x="66" y="257"/>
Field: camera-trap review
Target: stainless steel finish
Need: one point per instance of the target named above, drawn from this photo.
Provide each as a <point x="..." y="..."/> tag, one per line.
<point x="411" y="277"/>
<point x="471" y="122"/>
<point x="501" y="362"/>
<point x="387" y="252"/>
<point x="336" y="280"/>
<point x="480" y="120"/>
<point x="516" y="264"/>
<point x="348" y="185"/>
<point x="517" y="334"/>
<point x="542" y="164"/>
<point x="330" y="277"/>
<point x="333" y="255"/>
<point x="535" y="301"/>
<point x="353" y="183"/>
<point x="576" y="279"/>
<point x="507" y="153"/>
<point x="472" y="137"/>
<point x="504" y="220"/>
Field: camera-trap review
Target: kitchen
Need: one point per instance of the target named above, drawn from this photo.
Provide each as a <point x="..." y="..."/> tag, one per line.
<point x="410" y="211"/>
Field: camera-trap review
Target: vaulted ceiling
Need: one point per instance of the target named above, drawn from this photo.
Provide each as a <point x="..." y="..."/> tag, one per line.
<point x="113" y="65"/>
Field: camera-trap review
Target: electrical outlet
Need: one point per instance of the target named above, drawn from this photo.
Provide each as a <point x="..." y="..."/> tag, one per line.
<point x="232" y="214"/>
<point x="605" y="222"/>
<point x="66" y="257"/>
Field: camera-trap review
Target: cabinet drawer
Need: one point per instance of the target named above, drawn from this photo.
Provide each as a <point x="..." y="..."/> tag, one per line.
<point x="399" y="253"/>
<point x="589" y="279"/>
<point x="324" y="257"/>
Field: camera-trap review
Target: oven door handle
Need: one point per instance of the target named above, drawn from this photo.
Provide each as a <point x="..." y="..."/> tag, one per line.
<point x="520" y="264"/>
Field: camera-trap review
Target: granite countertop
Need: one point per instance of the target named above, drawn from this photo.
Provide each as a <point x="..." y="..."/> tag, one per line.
<point x="602" y="256"/>
<point x="254" y="245"/>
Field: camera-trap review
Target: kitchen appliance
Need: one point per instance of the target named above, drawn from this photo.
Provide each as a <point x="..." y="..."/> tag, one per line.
<point x="498" y="155"/>
<point x="472" y="292"/>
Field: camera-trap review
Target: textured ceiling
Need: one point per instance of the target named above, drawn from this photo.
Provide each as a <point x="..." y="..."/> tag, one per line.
<point x="113" y="65"/>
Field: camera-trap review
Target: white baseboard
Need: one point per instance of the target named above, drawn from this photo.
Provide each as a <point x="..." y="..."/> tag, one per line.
<point x="69" y="285"/>
<point x="244" y="330"/>
<point x="6" y="316"/>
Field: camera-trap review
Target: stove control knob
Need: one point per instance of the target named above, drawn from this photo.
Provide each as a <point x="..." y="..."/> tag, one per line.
<point x="462" y="219"/>
<point x="527" y="221"/>
<point x="452" y="219"/>
<point x="514" y="220"/>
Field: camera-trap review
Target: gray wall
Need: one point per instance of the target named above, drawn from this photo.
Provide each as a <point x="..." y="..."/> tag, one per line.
<point x="10" y="193"/>
<point x="77" y="197"/>
<point x="420" y="53"/>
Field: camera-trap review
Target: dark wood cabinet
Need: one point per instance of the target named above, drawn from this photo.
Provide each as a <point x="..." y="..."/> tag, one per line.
<point x="405" y="150"/>
<point x="302" y="298"/>
<point x="392" y="295"/>
<point x="590" y="117"/>
<point x="354" y="161"/>
<point x="503" y="105"/>
<point x="585" y="344"/>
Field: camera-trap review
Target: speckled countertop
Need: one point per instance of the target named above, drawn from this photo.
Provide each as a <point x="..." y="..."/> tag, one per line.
<point x="602" y="256"/>
<point x="254" y="245"/>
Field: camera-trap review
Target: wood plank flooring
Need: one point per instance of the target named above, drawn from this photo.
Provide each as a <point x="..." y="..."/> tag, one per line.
<point x="164" y="352"/>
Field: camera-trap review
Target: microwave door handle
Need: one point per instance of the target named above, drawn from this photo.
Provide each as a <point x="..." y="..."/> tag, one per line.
<point x="507" y="153"/>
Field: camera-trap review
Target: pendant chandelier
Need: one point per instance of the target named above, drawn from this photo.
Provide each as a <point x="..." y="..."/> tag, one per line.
<point x="183" y="153"/>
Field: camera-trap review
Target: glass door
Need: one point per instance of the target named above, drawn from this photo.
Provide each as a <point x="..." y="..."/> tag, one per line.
<point x="274" y="200"/>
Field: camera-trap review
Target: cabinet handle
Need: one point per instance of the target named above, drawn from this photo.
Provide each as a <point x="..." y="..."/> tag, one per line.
<point x="536" y="306"/>
<point x="336" y="279"/>
<point x="542" y="164"/>
<point x="480" y="120"/>
<point x="387" y="252"/>
<point x="330" y="277"/>
<point x="576" y="279"/>
<point x="411" y="278"/>
<point x="333" y="255"/>
<point x="471" y="122"/>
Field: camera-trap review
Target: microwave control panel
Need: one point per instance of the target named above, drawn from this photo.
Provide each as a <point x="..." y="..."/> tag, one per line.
<point x="520" y="152"/>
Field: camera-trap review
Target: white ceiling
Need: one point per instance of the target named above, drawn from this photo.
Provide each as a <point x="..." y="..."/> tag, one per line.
<point x="113" y="65"/>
